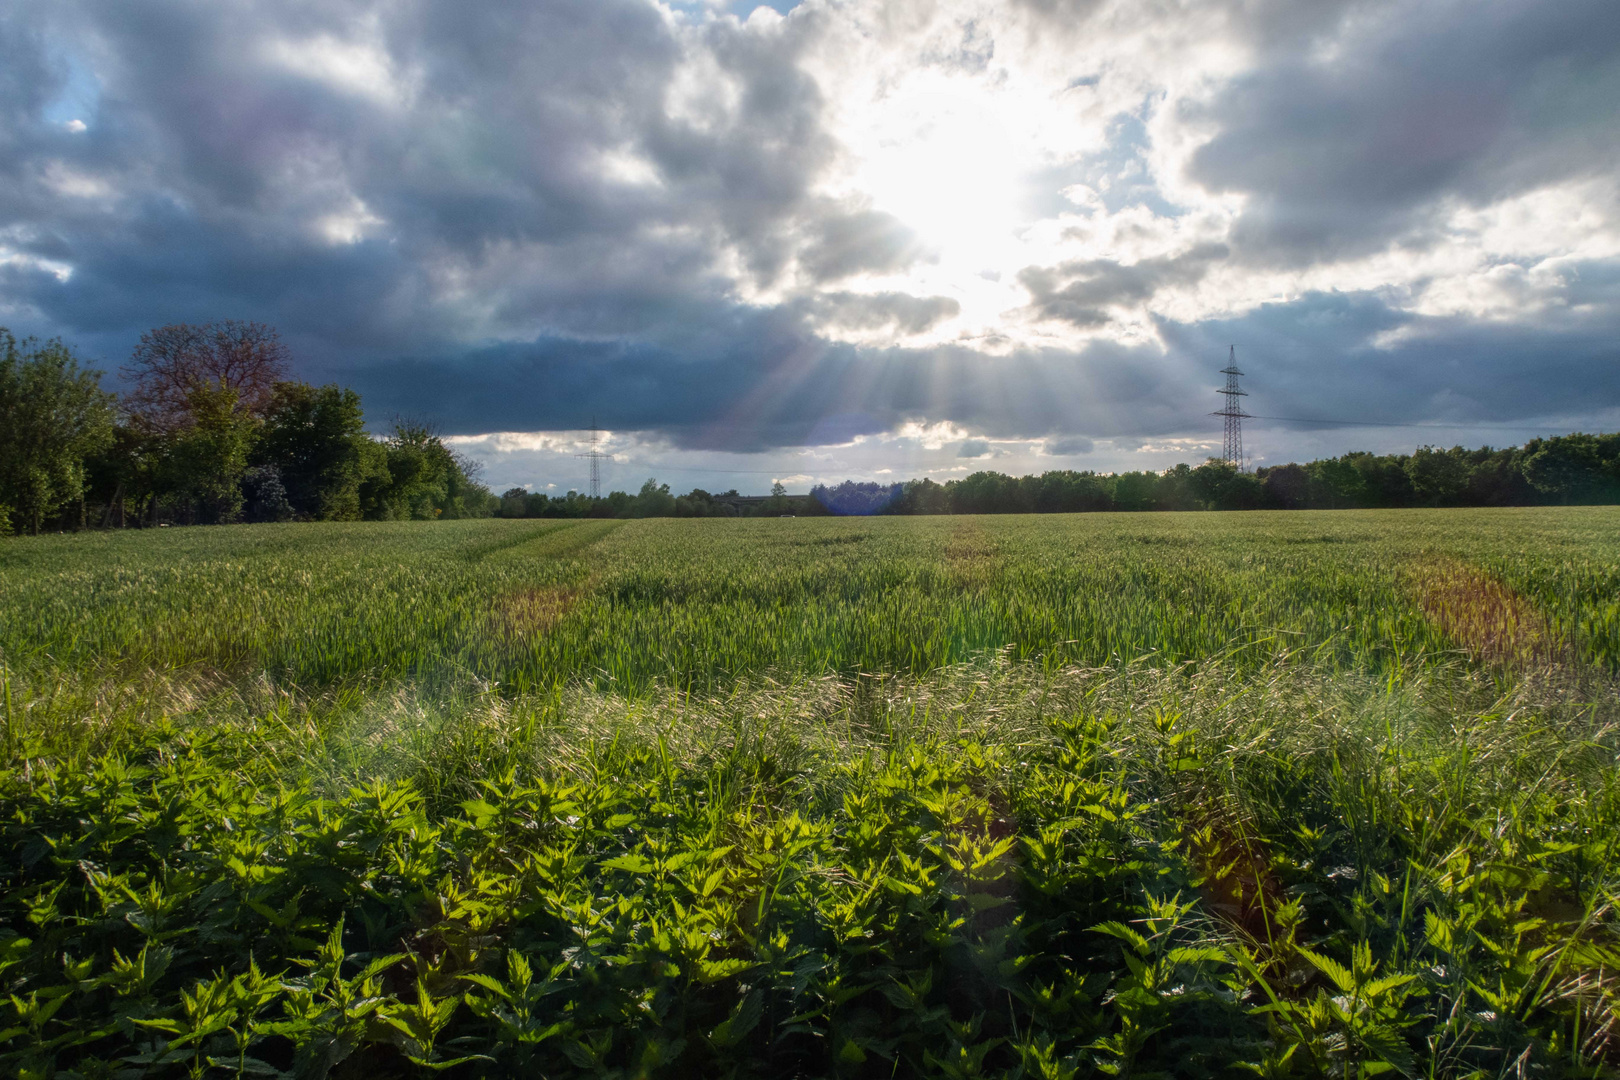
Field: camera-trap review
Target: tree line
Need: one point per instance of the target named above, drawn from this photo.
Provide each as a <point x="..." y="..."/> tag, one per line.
<point x="1566" y="469"/>
<point x="1562" y="470"/>
<point x="653" y="500"/>
<point x="211" y="431"/>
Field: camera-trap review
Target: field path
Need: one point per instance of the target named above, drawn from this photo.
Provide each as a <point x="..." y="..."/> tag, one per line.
<point x="534" y="611"/>
<point x="558" y="542"/>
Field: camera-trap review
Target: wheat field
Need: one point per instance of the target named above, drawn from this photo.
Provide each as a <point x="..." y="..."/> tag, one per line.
<point x="1296" y="794"/>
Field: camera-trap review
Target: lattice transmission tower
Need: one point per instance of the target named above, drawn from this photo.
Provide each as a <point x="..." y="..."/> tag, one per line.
<point x="595" y="457"/>
<point x="1233" y="449"/>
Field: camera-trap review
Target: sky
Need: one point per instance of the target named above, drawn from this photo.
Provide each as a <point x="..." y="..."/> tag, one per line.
<point x="842" y="239"/>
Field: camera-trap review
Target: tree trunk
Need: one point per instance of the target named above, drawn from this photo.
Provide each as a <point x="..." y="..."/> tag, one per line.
<point x="117" y="500"/>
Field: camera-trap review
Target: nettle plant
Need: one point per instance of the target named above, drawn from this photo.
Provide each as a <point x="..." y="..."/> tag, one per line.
<point x="1089" y="903"/>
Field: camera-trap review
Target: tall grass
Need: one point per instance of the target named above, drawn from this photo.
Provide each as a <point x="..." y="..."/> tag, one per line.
<point x="695" y="604"/>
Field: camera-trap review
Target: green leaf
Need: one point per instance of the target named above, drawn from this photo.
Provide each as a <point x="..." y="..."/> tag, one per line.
<point x="742" y="1020"/>
<point x="1332" y="969"/>
<point x="850" y="1053"/>
<point x="173" y="1027"/>
<point x="1438" y="931"/>
<point x="440" y="1066"/>
<point x="715" y="970"/>
<point x="1378" y="987"/>
<point x="1390" y="1047"/>
<point x="381" y="964"/>
<point x="635" y="864"/>
<point x="1125" y="934"/>
<point x="493" y="985"/>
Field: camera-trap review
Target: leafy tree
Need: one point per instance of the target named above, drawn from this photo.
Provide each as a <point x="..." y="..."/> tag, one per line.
<point x="778" y="504"/>
<point x="1286" y="486"/>
<point x="571" y="505"/>
<point x="315" y="438"/>
<point x="53" y="415"/>
<point x="126" y="475"/>
<point x="207" y="458"/>
<point x="1220" y="486"/>
<point x="1065" y="491"/>
<point x="1439" y="477"/>
<point x="415" y="484"/>
<point x="514" y="503"/>
<point x="654" y="500"/>
<point x="851" y="498"/>
<point x="991" y="493"/>
<point x="1495" y="479"/>
<point x="465" y="495"/>
<point x="1136" y="491"/>
<point x="922" y="497"/>
<point x="1175" y="491"/>
<point x="1335" y="484"/>
<point x="425" y="479"/>
<point x="1384" y="479"/>
<point x="1575" y="468"/>
<point x="266" y="495"/>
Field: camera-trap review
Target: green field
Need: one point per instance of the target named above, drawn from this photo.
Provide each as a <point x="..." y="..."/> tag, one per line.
<point x="1305" y="793"/>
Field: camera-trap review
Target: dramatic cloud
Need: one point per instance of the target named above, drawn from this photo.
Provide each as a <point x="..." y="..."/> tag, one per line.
<point x="784" y="240"/>
<point x="1384" y="126"/>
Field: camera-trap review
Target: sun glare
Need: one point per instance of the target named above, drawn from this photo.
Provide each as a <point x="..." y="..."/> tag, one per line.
<point x="952" y="157"/>
<point x="938" y="156"/>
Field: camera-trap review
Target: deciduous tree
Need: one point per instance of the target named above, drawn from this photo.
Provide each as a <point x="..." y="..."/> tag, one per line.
<point x="171" y="361"/>
<point x="208" y="458"/>
<point x="316" y="439"/>
<point x="53" y="414"/>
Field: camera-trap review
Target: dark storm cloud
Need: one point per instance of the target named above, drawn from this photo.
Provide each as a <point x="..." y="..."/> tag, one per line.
<point x="1343" y="149"/>
<point x="765" y="381"/>
<point x="470" y="150"/>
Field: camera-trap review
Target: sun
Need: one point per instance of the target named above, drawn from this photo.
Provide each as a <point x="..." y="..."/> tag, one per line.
<point x="941" y="155"/>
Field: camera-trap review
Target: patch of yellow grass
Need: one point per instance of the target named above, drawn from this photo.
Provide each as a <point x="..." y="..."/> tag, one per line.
<point x="534" y="611"/>
<point x="1485" y="616"/>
